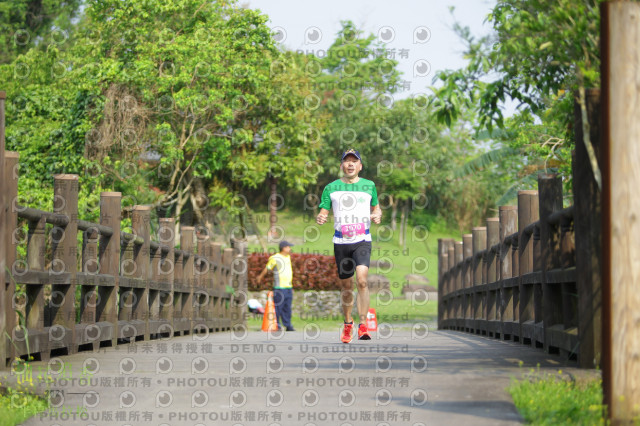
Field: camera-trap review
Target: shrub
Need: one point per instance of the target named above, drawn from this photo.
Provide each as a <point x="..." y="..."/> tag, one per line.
<point x="310" y="272"/>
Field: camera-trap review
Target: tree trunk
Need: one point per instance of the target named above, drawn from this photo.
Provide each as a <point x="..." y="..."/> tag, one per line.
<point x="394" y="212"/>
<point x="273" y="206"/>
<point x="199" y="200"/>
<point x="182" y="200"/>
<point x="402" y="225"/>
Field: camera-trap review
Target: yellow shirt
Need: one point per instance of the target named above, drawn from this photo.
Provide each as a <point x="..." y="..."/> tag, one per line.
<point x="282" y="271"/>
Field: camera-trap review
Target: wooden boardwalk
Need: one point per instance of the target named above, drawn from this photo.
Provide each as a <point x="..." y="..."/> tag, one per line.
<point x="409" y="377"/>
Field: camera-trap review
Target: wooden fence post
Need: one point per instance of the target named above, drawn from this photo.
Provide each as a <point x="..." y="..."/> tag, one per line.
<point x="4" y="213"/>
<point x="550" y="196"/>
<point x="527" y="214"/>
<point x="491" y="295"/>
<point x="140" y="218"/>
<point x="588" y="238"/>
<point x="166" y="271"/>
<point x="227" y="259"/>
<point x="186" y="245"/>
<point x="203" y="267"/>
<point x="218" y="286"/>
<point x="65" y="264"/>
<point x="620" y="41"/>
<point x="240" y="272"/>
<point x="34" y="309"/>
<point x="508" y="225"/>
<point x="441" y="270"/>
<point x="109" y="259"/>
<point x="467" y="253"/>
<point x="479" y="242"/>
<point x="10" y="180"/>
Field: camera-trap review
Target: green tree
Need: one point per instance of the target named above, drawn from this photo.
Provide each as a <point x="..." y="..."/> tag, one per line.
<point x="541" y="55"/>
<point x="216" y="105"/>
<point x="28" y="23"/>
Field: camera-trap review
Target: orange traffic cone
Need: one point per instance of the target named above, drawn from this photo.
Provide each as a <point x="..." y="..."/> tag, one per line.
<point x="269" y="321"/>
<point x="372" y="320"/>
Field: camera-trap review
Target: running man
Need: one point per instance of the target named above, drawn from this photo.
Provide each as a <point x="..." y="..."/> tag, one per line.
<point x="355" y="205"/>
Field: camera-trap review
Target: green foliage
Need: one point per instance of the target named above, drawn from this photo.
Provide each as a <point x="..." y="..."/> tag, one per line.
<point x="539" y="54"/>
<point x="223" y="100"/>
<point x="550" y="399"/>
<point x="17" y="406"/>
<point x="25" y="24"/>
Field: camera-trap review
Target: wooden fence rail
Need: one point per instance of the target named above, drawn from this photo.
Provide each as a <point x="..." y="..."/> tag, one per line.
<point x="116" y="286"/>
<point x="518" y="277"/>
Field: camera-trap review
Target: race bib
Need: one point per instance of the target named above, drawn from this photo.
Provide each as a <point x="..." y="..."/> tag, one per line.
<point x="353" y="230"/>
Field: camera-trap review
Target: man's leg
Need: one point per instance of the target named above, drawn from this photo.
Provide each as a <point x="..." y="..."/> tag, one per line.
<point x="346" y="297"/>
<point x="362" y="272"/>
<point x="278" y="299"/>
<point x="286" y="308"/>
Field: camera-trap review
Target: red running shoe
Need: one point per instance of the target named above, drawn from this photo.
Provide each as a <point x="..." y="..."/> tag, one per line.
<point x="363" y="332"/>
<point x="347" y="332"/>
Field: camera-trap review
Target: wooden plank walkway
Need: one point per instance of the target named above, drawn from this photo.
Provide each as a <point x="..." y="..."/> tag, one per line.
<point x="408" y="378"/>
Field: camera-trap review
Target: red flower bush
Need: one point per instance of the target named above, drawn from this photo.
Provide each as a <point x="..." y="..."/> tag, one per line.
<point x="310" y="272"/>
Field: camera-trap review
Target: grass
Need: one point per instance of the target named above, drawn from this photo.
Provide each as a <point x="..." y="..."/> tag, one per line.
<point x="17" y="406"/>
<point x="420" y="255"/>
<point x="551" y="399"/>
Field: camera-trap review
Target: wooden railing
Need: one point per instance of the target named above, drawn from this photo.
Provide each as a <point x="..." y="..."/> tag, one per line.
<point x="117" y="286"/>
<point x="532" y="274"/>
<point x="516" y="284"/>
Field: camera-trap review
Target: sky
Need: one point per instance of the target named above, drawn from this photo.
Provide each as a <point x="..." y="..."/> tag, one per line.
<point x="420" y="32"/>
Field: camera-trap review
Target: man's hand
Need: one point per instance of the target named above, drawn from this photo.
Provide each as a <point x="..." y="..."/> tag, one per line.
<point x="376" y="216"/>
<point x="321" y="219"/>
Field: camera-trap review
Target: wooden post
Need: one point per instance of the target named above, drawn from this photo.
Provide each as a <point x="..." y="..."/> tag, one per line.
<point x="227" y="258"/>
<point x="34" y="309"/>
<point x="65" y="247"/>
<point x="491" y="296"/>
<point x="550" y="196"/>
<point x="180" y="296"/>
<point x="88" y="294"/>
<point x="240" y="272"/>
<point x="10" y="223"/>
<point x="217" y="284"/>
<point x="186" y="245"/>
<point x="202" y="274"/>
<point x="620" y="41"/>
<point x="457" y="249"/>
<point x="4" y="236"/>
<point x="508" y="225"/>
<point x="458" y="253"/>
<point x="166" y="236"/>
<point x="140" y="222"/>
<point x="479" y="243"/>
<point x="441" y="271"/>
<point x="588" y="239"/>
<point x="109" y="258"/>
<point x="527" y="214"/>
<point x="467" y="252"/>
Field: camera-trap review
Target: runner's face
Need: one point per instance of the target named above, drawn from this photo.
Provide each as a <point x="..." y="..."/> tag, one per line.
<point x="351" y="166"/>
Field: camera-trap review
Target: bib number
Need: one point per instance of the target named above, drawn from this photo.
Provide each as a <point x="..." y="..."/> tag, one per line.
<point x="353" y="230"/>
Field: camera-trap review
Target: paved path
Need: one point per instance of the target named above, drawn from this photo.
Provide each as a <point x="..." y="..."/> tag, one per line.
<point x="407" y="378"/>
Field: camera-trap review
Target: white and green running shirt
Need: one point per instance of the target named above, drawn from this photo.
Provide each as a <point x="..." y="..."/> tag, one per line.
<point x="352" y="204"/>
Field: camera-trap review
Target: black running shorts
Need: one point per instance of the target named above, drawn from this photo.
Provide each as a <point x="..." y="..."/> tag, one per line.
<point x="348" y="256"/>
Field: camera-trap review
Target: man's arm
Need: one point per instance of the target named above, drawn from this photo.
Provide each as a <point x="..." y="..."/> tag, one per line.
<point x="376" y="214"/>
<point x="322" y="216"/>
<point x="262" y="274"/>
